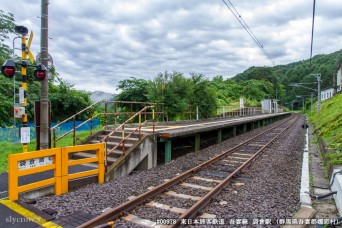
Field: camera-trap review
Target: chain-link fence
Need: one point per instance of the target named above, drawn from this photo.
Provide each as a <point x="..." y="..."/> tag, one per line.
<point x="12" y="134"/>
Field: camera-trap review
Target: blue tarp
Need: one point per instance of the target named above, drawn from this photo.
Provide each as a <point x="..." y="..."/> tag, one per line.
<point x="12" y="134"/>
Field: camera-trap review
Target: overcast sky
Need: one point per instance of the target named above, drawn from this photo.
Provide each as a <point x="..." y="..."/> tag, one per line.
<point x="97" y="43"/>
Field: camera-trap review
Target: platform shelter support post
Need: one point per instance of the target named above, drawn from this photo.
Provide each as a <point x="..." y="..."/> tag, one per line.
<point x="234" y="131"/>
<point x="167" y="151"/>
<point x="219" y="136"/>
<point x="197" y="142"/>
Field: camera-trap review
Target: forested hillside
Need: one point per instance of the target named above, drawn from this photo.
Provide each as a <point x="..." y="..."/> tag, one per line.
<point x="254" y="84"/>
<point x="298" y="72"/>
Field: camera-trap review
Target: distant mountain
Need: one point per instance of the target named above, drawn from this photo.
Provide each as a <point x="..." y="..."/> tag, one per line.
<point x="99" y="95"/>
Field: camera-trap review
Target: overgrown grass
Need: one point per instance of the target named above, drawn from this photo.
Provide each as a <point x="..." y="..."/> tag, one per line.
<point x="329" y="126"/>
<point x="7" y="148"/>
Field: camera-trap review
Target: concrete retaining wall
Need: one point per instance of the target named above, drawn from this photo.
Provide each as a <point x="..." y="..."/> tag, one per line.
<point x="142" y="156"/>
<point x="333" y="173"/>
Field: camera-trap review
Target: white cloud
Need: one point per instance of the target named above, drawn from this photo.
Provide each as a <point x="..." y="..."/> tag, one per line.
<point x="97" y="43"/>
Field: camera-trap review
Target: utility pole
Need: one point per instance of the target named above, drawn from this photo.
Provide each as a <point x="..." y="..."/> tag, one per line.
<point x="44" y="88"/>
<point x="319" y="93"/>
<point x="318" y="77"/>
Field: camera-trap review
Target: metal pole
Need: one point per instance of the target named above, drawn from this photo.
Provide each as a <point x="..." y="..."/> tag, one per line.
<point x="311" y="101"/>
<point x="13" y="56"/>
<point x="44" y="87"/>
<point x="23" y="74"/>
<point x="319" y="94"/>
<point x="196" y="112"/>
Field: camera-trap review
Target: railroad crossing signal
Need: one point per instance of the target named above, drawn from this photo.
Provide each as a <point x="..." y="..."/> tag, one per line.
<point x="8" y="68"/>
<point x="40" y="72"/>
<point x="29" y="53"/>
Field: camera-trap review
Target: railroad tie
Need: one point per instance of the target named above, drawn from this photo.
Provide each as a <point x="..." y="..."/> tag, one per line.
<point x="197" y="186"/>
<point x="229" y="161"/>
<point x="140" y="221"/>
<point x="242" y="154"/>
<point x="242" y="158"/>
<point x="166" y="207"/>
<point x="184" y="196"/>
<point x="206" y="179"/>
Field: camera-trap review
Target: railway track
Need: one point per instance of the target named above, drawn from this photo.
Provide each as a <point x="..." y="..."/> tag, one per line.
<point x="218" y="172"/>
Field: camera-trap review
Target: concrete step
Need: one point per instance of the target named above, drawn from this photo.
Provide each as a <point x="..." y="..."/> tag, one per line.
<point x="115" y="153"/>
<point x="113" y="144"/>
<point x="128" y="125"/>
<point x="119" y="133"/>
<point x="115" y="138"/>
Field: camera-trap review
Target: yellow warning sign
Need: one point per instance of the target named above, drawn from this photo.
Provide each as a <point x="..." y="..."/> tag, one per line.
<point x="30" y="55"/>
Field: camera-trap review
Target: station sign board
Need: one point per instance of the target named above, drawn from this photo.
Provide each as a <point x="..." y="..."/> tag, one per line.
<point x="34" y="162"/>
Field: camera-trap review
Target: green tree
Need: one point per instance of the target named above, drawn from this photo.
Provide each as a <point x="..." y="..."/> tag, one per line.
<point x="67" y="101"/>
<point x="176" y="95"/>
<point x="6" y="27"/>
<point x="133" y="89"/>
<point x="204" y="96"/>
<point x="6" y="85"/>
<point x="257" y="90"/>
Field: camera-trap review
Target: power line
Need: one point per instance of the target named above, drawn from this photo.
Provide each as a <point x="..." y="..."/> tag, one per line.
<point x="248" y="30"/>
<point x="312" y="30"/>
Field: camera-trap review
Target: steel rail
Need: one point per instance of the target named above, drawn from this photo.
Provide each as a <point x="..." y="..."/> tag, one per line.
<point x="193" y="211"/>
<point x="129" y="205"/>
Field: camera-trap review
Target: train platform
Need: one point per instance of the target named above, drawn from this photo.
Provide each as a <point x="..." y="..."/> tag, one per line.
<point x="16" y="214"/>
<point x="185" y="128"/>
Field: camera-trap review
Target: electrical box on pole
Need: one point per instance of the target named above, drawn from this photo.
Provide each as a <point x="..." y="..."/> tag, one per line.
<point x="19" y="112"/>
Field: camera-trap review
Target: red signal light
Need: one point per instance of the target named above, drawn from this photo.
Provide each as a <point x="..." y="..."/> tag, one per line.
<point x="8" y="68"/>
<point x="40" y="72"/>
<point x="40" y="75"/>
<point x="9" y="71"/>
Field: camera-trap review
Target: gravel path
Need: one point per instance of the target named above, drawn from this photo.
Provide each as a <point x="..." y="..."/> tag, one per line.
<point x="271" y="191"/>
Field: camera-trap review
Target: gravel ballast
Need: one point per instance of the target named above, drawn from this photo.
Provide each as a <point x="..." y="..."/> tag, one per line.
<point x="271" y="190"/>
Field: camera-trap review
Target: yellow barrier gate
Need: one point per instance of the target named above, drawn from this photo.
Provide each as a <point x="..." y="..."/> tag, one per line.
<point x="56" y="159"/>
